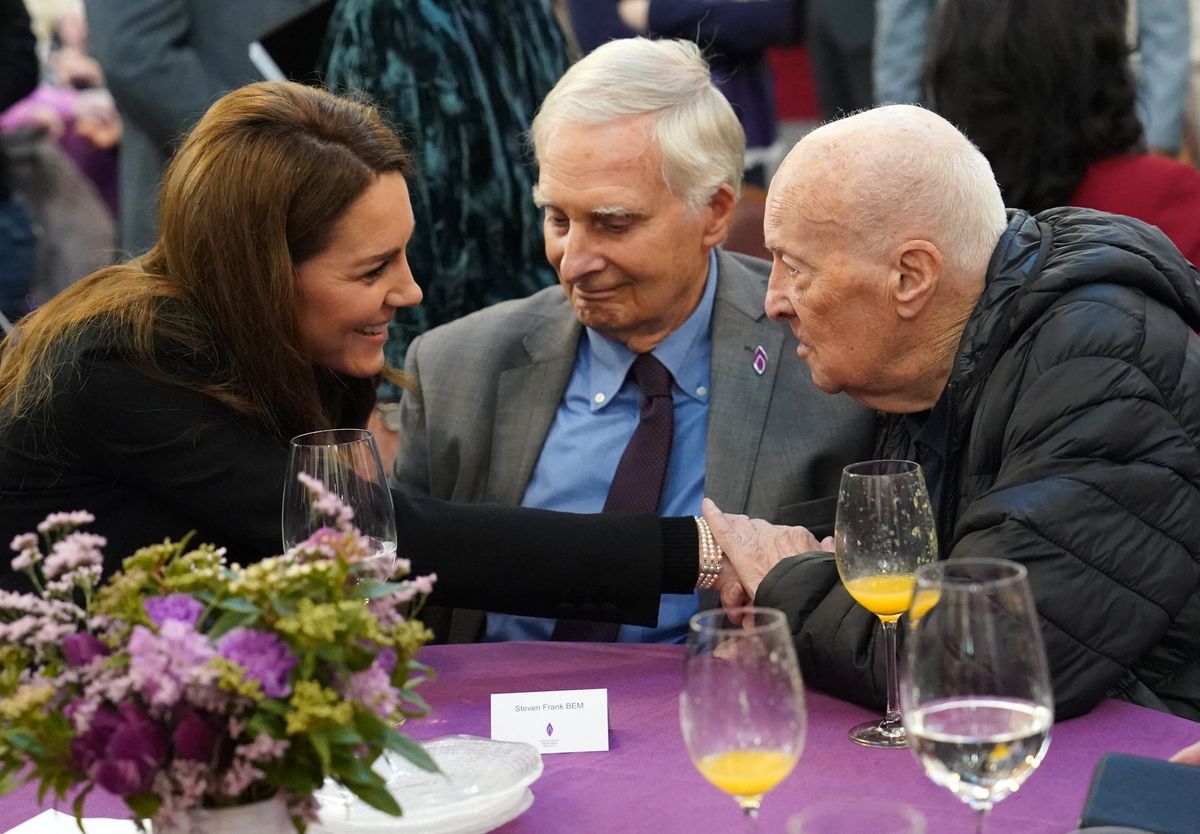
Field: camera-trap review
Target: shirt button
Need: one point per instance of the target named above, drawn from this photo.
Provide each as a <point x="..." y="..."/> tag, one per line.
<point x="701" y="391"/>
<point x="599" y="398"/>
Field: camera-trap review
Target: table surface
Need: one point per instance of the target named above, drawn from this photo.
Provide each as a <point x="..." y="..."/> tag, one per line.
<point x="646" y="783"/>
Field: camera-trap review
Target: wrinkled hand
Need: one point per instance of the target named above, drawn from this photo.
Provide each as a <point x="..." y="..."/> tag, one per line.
<point x="1188" y="755"/>
<point x="752" y="547"/>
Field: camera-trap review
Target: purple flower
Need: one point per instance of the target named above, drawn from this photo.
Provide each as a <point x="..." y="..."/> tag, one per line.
<point x="264" y="657"/>
<point x="82" y="648"/>
<point x="180" y="607"/>
<point x="121" y="751"/>
<point x="195" y="736"/>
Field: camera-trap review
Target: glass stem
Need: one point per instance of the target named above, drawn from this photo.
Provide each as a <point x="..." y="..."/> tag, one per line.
<point x="981" y="820"/>
<point x="892" y="721"/>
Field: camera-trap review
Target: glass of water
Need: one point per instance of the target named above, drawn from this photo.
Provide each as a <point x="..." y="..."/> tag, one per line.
<point x="975" y="692"/>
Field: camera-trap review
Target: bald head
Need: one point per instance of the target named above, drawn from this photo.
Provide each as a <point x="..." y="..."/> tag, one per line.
<point x="881" y="226"/>
<point x="893" y="174"/>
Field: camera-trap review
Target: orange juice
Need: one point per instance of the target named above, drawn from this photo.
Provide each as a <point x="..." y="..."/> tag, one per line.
<point x="746" y="772"/>
<point x="886" y="595"/>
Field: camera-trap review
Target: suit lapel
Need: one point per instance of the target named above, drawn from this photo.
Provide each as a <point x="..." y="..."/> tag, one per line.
<point x="527" y="400"/>
<point x="740" y="397"/>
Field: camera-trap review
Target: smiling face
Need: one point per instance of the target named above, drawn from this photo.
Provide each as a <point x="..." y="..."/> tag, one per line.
<point x="629" y="254"/>
<point x="833" y="297"/>
<point x="350" y="290"/>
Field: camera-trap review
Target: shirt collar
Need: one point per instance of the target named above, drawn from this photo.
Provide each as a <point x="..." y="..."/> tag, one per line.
<point x="679" y="352"/>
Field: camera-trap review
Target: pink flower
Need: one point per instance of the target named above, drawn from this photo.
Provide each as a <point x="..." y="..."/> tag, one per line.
<point x="162" y="664"/>
<point x="372" y="687"/>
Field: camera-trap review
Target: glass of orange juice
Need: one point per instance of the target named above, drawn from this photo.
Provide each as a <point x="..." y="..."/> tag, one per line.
<point x="742" y="706"/>
<point x="883" y="532"/>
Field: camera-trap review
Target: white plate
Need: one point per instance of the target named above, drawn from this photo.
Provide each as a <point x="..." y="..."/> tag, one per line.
<point x="483" y="784"/>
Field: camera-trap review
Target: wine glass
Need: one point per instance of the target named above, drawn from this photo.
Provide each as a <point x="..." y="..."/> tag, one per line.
<point x="857" y="815"/>
<point x="347" y="462"/>
<point x="884" y="530"/>
<point x="976" y="688"/>
<point x="742" y="705"/>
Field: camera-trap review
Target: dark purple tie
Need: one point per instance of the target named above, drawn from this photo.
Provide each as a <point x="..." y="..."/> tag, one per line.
<point x="638" y="483"/>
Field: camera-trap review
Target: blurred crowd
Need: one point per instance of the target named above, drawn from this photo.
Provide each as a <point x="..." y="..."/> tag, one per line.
<point x="1069" y="108"/>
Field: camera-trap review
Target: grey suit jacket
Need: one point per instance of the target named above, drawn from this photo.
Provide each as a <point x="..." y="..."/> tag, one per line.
<point x="486" y="389"/>
<point x="165" y="62"/>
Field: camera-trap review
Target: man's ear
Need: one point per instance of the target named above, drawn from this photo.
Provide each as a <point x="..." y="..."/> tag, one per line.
<point x="718" y="215"/>
<point x="916" y="270"/>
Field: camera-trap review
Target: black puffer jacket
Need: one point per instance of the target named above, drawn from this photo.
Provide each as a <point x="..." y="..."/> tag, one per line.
<point x="1073" y="449"/>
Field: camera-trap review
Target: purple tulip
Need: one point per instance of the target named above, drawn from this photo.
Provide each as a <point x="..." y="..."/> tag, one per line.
<point x="82" y="648"/>
<point x="195" y="736"/>
<point x="121" y="751"/>
<point x="88" y="747"/>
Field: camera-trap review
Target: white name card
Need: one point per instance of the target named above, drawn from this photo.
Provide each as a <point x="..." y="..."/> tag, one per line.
<point x="563" y="721"/>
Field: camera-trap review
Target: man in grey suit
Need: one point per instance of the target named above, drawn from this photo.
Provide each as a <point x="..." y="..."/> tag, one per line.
<point x="528" y="402"/>
<point x="165" y="62"/>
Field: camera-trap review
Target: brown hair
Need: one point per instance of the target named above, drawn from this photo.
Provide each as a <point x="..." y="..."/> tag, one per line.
<point x="256" y="189"/>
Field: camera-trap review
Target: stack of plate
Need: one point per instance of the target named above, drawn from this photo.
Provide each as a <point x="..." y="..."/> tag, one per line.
<point x="483" y="784"/>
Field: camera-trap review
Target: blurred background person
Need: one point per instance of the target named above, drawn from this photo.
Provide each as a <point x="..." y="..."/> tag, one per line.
<point x="1044" y="88"/>
<point x="734" y="35"/>
<point x="18" y="77"/>
<point x="165" y="62"/>
<point x="839" y="36"/>
<point x="62" y="140"/>
<point x="1159" y="30"/>
<point x="461" y="81"/>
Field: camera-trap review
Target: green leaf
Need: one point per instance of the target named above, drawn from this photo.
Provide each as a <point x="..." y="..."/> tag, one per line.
<point x="229" y="621"/>
<point x="321" y="744"/>
<point x="77" y="805"/>
<point x="242" y="606"/>
<point x="373" y="590"/>
<point x="373" y="792"/>
<point x="143" y="804"/>
<point x="338" y="735"/>
<point x="331" y="653"/>
<point x="412" y="751"/>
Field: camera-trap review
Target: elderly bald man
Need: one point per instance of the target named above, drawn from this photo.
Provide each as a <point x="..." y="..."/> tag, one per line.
<point x="1043" y="370"/>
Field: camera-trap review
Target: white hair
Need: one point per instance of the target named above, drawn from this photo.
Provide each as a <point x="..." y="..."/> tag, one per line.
<point x="914" y="175"/>
<point x="703" y="145"/>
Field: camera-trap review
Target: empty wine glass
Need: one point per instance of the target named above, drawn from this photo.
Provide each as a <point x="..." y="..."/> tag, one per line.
<point x="347" y="462"/>
<point x="742" y="706"/>
<point x="884" y="530"/>
<point x="976" y="690"/>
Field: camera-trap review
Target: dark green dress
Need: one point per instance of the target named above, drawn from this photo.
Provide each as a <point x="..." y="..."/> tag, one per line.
<point x="462" y="80"/>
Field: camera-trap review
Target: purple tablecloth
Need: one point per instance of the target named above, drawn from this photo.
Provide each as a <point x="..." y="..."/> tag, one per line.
<point x="646" y="783"/>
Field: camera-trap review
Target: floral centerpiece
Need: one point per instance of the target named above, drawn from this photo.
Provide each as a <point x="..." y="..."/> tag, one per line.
<point x="186" y="682"/>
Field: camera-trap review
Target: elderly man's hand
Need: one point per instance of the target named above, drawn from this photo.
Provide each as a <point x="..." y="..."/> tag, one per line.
<point x="753" y="547"/>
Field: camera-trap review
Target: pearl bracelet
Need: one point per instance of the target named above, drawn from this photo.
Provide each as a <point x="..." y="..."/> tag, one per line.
<point x="710" y="556"/>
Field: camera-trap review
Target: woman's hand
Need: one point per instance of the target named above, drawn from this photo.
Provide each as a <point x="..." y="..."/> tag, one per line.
<point x="753" y="547"/>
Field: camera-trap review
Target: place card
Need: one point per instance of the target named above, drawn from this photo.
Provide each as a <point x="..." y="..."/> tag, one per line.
<point x="562" y="721"/>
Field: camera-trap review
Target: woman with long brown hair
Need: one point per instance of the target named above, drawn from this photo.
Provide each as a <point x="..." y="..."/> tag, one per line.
<point x="160" y="394"/>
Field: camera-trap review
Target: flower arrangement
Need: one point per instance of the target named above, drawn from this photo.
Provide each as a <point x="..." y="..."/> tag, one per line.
<point x="186" y="682"/>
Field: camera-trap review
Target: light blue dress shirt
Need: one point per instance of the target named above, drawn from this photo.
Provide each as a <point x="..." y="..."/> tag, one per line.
<point x="596" y="418"/>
